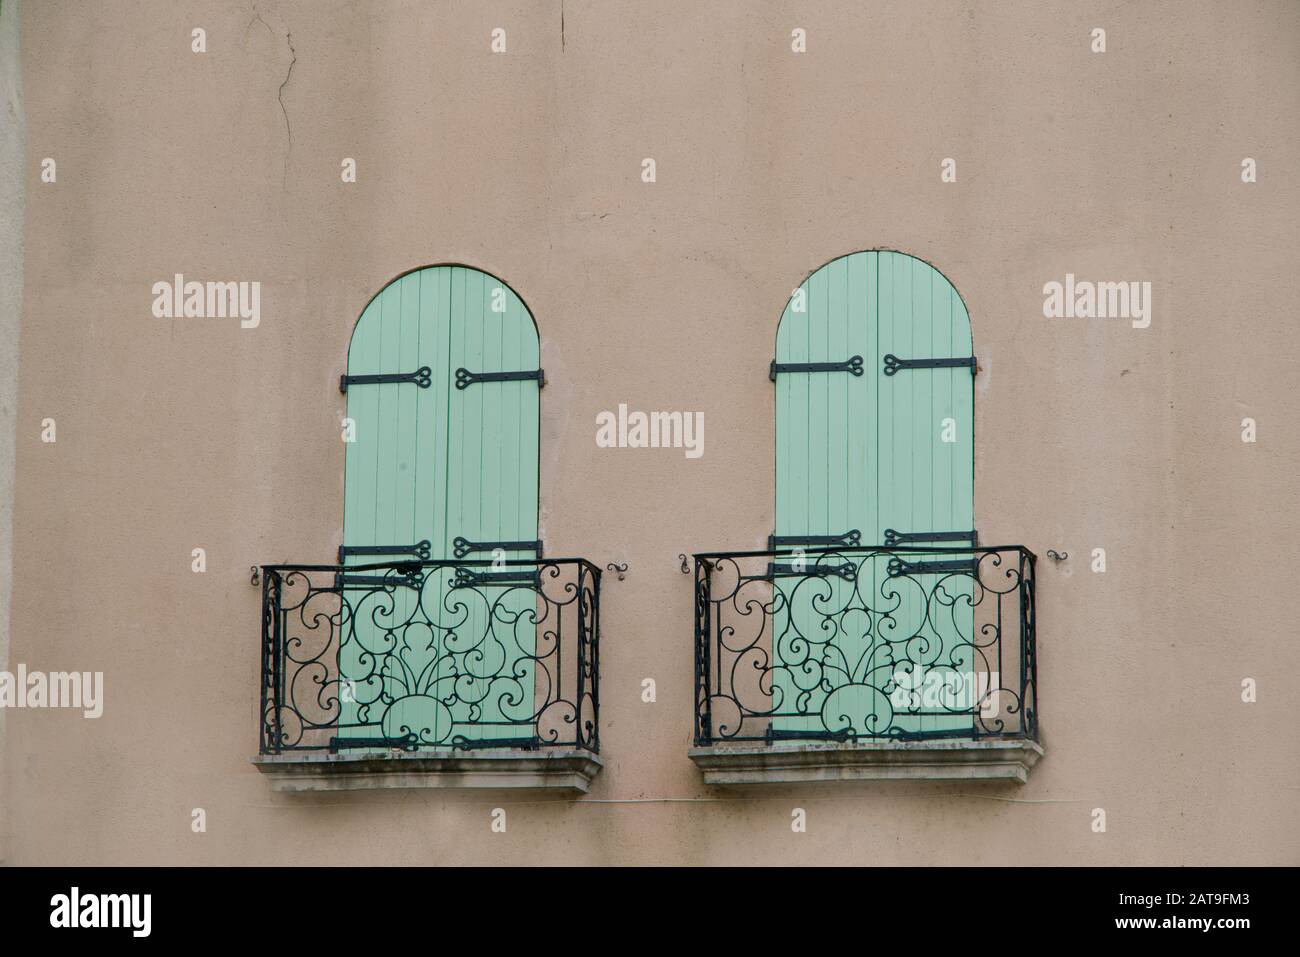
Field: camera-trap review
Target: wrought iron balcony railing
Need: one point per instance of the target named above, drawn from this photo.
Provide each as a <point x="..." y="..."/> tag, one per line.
<point x="430" y="656"/>
<point x="865" y="644"/>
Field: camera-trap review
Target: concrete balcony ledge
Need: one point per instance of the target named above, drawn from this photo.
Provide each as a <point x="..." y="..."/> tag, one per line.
<point x="938" y="760"/>
<point x="554" y="769"/>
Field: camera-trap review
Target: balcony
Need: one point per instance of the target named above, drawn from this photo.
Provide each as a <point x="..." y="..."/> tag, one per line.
<point x="430" y="674"/>
<point x="865" y="663"/>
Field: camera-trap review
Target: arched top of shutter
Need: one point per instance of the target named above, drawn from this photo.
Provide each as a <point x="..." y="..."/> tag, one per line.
<point x="517" y="314"/>
<point x="904" y="274"/>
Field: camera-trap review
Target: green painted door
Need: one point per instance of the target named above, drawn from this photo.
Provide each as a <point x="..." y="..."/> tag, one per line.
<point x="861" y="453"/>
<point x="441" y="464"/>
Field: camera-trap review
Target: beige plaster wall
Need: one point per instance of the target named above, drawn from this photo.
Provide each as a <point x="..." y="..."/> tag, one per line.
<point x="194" y="433"/>
<point x="12" y="199"/>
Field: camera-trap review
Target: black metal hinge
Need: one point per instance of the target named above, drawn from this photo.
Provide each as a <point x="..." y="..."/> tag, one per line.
<point x="423" y="377"/>
<point x="419" y="550"/>
<point x="780" y="734"/>
<point x="893" y="364"/>
<point x="465" y="378"/>
<point x="342" y="580"/>
<point x="853" y="366"/>
<point x="466" y="577"/>
<point x="406" y="742"/>
<point x="849" y="539"/>
<point x="846" y="570"/>
<point x="460" y="743"/>
<point x="460" y="547"/>
<point x="897" y="567"/>
<point x="893" y="538"/>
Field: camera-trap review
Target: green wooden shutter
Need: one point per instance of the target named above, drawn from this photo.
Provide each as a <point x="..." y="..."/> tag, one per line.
<point x="863" y="454"/>
<point x="492" y="497"/>
<point x="825" y="479"/>
<point x="433" y="465"/>
<point x="926" y="484"/>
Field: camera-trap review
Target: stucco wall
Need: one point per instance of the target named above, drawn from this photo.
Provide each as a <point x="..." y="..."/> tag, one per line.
<point x="177" y="434"/>
<point x="12" y="197"/>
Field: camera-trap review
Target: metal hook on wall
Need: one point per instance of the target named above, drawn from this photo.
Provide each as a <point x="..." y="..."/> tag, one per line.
<point x="1056" y="556"/>
<point x="256" y="579"/>
<point x="615" y="567"/>
<point x="686" y="569"/>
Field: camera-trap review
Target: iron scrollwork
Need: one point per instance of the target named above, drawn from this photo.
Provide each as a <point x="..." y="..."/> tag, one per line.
<point x="435" y="655"/>
<point x="865" y="644"/>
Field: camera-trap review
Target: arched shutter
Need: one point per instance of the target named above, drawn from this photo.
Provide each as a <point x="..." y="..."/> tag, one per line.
<point x="863" y="456"/>
<point x="443" y="466"/>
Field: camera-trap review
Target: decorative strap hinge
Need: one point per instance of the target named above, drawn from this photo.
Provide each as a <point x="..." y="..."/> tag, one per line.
<point x="462" y="743"/>
<point x="423" y="377"/>
<point x="849" y="539"/>
<point x="466" y="577"/>
<point x="404" y="579"/>
<point x="781" y="734"/>
<point x="460" y="547"/>
<point x="893" y="538"/>
<point x="465" y="378"/>
<point x="898" y="567"/>
<point x="419" y="550"/>
<point x="846" y="570"/>
<point x="405" y="742"/>
<point x="853" y="366"/>
<point x="893" y="364"/>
